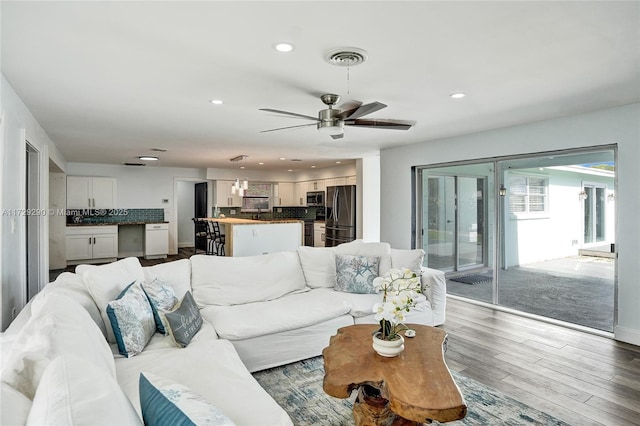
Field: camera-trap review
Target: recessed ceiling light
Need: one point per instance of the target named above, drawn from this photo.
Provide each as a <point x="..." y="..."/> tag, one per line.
<point x="290" y="170"/>
<point x="261" y="163"/>
<point x="282" y="158"/>
<point x="242" y="167"/>
<point x="216" y="101"/>
<point x="148" y="158"/>
<point x="313" y="167"/>
<point x="458" y="95"/>
<point x="338" y="162"/>
<point x="283" y="47"/>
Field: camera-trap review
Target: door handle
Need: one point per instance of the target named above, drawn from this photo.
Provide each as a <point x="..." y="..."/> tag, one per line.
<point x="89" y="240"/>
<point x="94" y="240"/>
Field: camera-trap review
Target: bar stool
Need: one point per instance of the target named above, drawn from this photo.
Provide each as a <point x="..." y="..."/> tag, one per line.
<point x="218" y="239"/>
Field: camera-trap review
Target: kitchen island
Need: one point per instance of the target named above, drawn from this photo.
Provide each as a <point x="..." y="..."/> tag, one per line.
<point x="249" y="237"/>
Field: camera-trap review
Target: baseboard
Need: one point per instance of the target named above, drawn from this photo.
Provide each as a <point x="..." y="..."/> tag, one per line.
<point x="627" y="335"/>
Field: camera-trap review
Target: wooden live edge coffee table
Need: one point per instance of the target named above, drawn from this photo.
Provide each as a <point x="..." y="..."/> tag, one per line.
<point x="413" y="388"/>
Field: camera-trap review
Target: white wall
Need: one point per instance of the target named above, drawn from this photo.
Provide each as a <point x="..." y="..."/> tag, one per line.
<point x="616" y="125"/>
<point x="18" y="125"/>
<point x="186" y="211"/>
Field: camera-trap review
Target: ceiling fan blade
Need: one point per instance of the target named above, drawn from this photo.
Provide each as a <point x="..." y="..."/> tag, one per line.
<point x="348" y="108"/>
<point x="338" y="136"/>
<point x="382" y="124"/>
<point x="277" y="111"/>
<point x="364" y="110"/>
<point x="289" y="127"/>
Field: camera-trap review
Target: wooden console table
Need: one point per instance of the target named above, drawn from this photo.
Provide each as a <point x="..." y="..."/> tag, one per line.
<point x="415" y="387"/>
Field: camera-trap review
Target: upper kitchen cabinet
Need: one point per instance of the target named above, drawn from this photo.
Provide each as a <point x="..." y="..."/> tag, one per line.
<point x="316" y="185"/>
<point x="224" y="197"/>
<point x="86" y="192"/>
<point x="300" y="192"/>
<point x="283" y="194"/>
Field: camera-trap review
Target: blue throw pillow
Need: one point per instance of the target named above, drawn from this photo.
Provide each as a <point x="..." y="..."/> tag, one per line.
<point x="184" y="320"/>
<point x="164" y="402"/>
<point x="131" y="319"/>
<point x="355" y="274"/>
<point x="162" y="298"/>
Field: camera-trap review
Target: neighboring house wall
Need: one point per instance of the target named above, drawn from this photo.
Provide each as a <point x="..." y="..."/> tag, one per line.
<point x="558" y="232"/>
<point x="615" y="125"/>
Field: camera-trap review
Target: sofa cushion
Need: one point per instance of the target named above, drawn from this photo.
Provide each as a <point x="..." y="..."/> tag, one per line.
<point x="410" y="259"/>
<point x="132" y="320"/>
<point x="204" y="366"/>
<point x="355" y="274"/>
<point x="74" y="391"/>
<point x="61" y="327"/>
<point x="14" y="406"/>
<point x="287" y="313"/>
<point x="184" y="321"/>
<point x="361" y="248"/>
<point x="164" y="402"/>
<point x="318" y="265"/>
<point x="72" y="285"/>
<point x="162" y="298"/>
<point x="177" y="274"/>
<point x="219" y="280"/>
<point x="105" y="282"/>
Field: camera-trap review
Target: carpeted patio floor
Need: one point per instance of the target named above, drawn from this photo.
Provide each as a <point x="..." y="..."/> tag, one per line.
<point x="579" y="290"/>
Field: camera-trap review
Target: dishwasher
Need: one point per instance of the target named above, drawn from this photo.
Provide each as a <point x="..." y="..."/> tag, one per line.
<point x="156" y="240"/>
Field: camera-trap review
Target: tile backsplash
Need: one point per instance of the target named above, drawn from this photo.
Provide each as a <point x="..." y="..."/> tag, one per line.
<point x="115" y="215"/>
<point x="276" y="213"/>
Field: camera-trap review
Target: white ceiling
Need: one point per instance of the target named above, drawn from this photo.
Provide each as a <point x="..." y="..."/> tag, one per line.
<point x="109" y="81"/>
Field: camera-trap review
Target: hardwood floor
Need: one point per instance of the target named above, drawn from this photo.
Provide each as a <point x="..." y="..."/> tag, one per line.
<point x="578" y="377"/>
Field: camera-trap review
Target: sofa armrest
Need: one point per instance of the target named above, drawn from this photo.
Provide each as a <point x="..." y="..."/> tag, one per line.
<point x="434" y="286"/>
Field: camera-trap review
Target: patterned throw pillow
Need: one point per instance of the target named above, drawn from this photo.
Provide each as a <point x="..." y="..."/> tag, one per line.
<point x="162" y="299"/>
<point x="184" y="321"/>
<point x="164" y="402"/>
<point x="355" y="274"/>
<point x="132" y="320"/>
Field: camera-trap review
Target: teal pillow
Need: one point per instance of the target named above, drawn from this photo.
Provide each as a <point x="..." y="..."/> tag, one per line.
<point x="184" y="320"/>
<point x="131" y="319"/>
<point x="355" y="274"/>
<point x="162" y="298"/>
<point x="164" y="402"/>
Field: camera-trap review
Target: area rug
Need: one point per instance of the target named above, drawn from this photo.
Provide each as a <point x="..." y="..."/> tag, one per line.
<point x="297" y="388"/>
<point x="473" y="279"/>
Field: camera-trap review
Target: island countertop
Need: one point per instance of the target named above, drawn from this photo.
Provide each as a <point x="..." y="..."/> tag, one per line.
<point x="238" y="221"/>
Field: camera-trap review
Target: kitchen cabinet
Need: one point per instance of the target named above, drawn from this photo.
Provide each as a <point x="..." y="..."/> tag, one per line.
<point x="86" y="192"/>
<point x="336" y="181"/>
<point x="156" y="240"/>
<point x="284" y="196"/>
<point x="318" y="234"/>
<point x="92" y="243"/>
<point x="224" y="197"/>
<point x="300" y="194"/>
<point x="316" y="185"/>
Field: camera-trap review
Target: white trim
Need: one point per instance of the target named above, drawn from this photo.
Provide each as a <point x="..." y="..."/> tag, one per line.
<point x="627" y="335"/>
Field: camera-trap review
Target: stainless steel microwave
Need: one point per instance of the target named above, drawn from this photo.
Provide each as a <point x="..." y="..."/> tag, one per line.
<point x="315" y="199"/>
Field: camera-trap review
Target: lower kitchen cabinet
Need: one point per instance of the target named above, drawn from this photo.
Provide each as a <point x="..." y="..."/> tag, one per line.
<point x="318" y="234"/>
<point x="91" y="243"/>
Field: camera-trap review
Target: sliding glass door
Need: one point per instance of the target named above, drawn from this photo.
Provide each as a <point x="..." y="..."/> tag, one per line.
<point x="550" y="219"/>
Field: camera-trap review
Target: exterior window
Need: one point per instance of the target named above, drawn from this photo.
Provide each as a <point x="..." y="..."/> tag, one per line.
<point x="528" y="194"/>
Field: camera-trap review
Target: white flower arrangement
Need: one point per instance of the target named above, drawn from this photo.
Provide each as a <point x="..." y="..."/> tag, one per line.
<point x="400" y="289"/>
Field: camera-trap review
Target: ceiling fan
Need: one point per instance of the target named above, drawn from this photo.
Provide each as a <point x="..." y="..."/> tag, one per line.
<point x="333" y="120"/>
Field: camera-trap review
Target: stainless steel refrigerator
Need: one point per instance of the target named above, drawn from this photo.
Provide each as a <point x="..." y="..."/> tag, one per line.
<point x="340" y="221"/>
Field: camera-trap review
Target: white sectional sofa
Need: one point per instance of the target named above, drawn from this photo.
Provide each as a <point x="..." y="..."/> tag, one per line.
<point x="61" y="360"/>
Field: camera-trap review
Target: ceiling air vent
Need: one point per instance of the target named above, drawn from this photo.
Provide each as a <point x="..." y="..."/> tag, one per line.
<point x="134" y="164"/>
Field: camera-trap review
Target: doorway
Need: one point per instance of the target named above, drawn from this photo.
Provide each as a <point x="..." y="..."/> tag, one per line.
<point x="32" y="221"/>
<point x="549" y="218"/>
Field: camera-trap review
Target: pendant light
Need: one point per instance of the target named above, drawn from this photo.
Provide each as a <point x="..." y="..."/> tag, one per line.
<point x="238" y="186"/>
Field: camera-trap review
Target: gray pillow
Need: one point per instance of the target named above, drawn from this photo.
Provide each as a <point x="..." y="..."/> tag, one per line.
<point x="355" y="274"/>
<point x="184" y="321"/>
